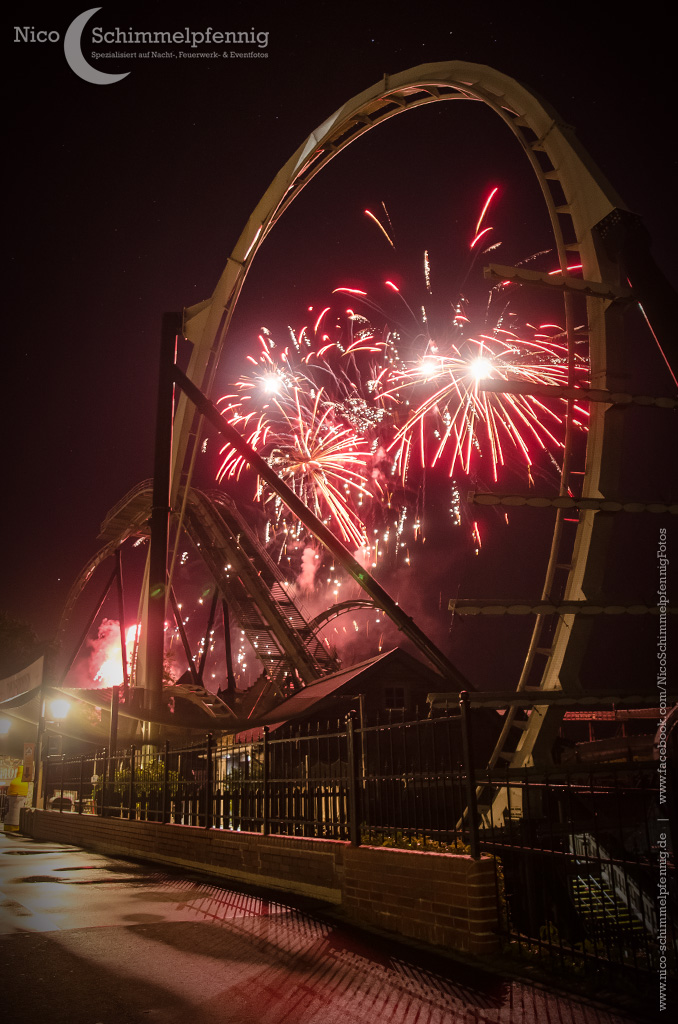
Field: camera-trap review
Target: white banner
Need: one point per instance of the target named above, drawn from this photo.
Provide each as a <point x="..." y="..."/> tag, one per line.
<point x="27" y="679"/>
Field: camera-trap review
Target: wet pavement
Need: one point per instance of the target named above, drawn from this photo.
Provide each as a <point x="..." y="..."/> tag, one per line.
<point x="89" y="939"/>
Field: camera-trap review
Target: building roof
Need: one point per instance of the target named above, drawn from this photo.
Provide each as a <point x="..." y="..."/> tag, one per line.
<point x="348" y="682"/>
<point x="27" y="707"/>
<point x="84" y="724"/>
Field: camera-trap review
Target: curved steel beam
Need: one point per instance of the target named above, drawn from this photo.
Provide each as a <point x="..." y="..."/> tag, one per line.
<point x="341" y="608"/>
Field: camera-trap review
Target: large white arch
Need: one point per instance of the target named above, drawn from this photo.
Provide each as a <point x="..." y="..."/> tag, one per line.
<point x="577" y="198"/>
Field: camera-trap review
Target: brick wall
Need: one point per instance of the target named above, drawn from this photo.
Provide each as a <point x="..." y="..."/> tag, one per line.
<point x="445" y="900"/>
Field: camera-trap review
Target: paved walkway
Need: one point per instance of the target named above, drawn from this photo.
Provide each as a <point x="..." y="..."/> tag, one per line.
<point x="88" y="939"/>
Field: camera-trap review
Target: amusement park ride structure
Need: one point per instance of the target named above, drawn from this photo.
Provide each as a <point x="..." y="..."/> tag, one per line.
<point x="586" y="217"/>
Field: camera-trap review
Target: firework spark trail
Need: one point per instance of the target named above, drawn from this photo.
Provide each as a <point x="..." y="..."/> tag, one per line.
<point x="381" y="228"/>
<point x="484" y="210"/>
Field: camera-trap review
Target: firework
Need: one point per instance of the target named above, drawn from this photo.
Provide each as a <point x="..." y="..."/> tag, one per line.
<point x="319" y="457"/>
<point x="455" y="416"/>
<point x="317" y="411"/>
<point x="451" y="416"/>
<point x="344" y="418"/>
<point x="105" y="659"/>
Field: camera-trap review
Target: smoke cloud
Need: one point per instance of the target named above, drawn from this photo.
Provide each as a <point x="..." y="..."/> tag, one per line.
<point x="309" y="566"/>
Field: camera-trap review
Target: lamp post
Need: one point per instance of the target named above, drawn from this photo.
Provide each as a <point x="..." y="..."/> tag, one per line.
<point x="58" y="710"/>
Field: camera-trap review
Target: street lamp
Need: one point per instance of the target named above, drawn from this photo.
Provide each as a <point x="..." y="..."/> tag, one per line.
<point x="59" y="708"/>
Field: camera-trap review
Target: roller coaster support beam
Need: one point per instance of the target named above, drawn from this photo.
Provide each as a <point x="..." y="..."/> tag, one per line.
<point x="208" y="632"/>
<point x="523" y="387"/>
<point x="230" y="678"/>
<point x="566" y="502"/>
<point x="184" y="639"/>
<point x="160" y="513"/>
<point x="403" y="622"/>
<point x="555" y="282"/>
<point x="555" y="698"/>
<point x="90" y="623"/>
<point x="474" y="606"/>
<point x="113" y="725"/>
<point x="121" y="615"/>
<point x="469" y="774"/>
<point x="627" y="241"/>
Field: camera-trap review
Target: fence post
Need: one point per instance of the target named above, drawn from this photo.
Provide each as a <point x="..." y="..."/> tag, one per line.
<point x="82" y="782"/>
<point x="469" y="774"/>
<point x="165" y="782"/>
<point x="131" y="813"/>
<point x="353" y="801"/>
<point x="266" y="822"/>
<point x="208" y="786"/>
<point x="61" y="803"/>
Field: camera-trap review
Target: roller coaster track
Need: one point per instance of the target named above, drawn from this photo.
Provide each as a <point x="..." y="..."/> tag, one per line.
<point x="583" y="209"/>
<point x="259" y="597"/>
<point x="355" y="604"/>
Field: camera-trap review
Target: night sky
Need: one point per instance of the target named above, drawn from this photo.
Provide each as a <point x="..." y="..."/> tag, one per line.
<point x="126" y="199"/>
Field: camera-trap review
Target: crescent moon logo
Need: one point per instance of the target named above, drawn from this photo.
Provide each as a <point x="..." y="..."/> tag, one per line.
<point x="73" y="52"/>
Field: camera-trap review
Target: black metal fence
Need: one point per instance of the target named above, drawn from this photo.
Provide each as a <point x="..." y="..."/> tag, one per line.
<point x="579" y="851"/>
<point x="292" y="785"/>
<point x="582" y="852"/>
